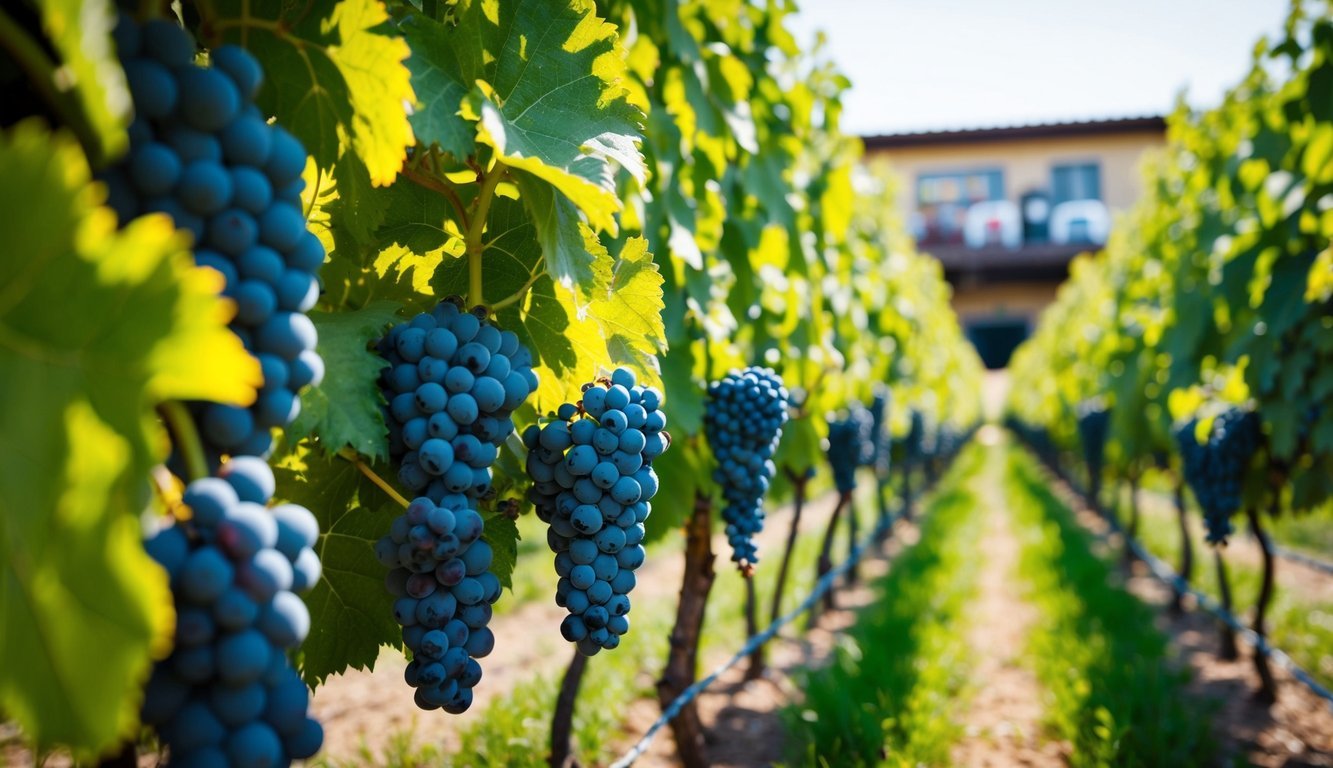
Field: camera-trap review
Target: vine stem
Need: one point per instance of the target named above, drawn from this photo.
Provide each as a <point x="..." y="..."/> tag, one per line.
<point x="348" y="454"/>
<point x="518" y="295"/>
<point x="683" y="658"/>
<point x="562" y="721"/>
<point x="476" y="228"/>
<point x="1267" y="692"/>
<point x="30" y="57"/>
<point x="186" y="435"/>
<point x="425" y="179"/>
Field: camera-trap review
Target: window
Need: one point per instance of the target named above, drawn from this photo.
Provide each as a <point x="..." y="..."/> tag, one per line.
<point x="942" y="200"/>
<point x="1082" y="181"/>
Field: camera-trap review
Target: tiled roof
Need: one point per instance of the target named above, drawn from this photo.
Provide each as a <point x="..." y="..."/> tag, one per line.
<point x="1144" y="123"/>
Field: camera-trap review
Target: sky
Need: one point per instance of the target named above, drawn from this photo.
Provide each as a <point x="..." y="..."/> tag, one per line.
<point x="936" y="64"/>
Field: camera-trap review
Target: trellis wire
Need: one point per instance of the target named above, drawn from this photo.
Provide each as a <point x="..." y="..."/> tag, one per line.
<point x="691" y="693"/>
<point x="1303" y="559"/>
<point x="1261" y="645"/>
<point x="1166" y="574"/>
<point x="1283" y="552"/>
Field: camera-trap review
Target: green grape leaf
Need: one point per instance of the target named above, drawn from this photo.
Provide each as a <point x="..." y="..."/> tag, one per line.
<point x="415" y="218"/>
<point x="683" y="398"/>
<point x="540" y="79"/>
<point x="571" y="348"/>
<point x="502" y="535"/>
<point x="352" y="204"/>
<point x="439" y="76"/>
<point x="80" y="33"/>
<point x="334" y="74"/>
<point x="149" y="326"/>
<point x="570" y="248"/>
<point x="351" y="613"/>
<point x="799" y="449"/>
<point x="344" y="410"/>
<point x="630" y="310"/>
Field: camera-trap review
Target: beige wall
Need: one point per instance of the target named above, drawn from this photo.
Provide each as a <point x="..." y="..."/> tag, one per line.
<point x="1027" y="163"/>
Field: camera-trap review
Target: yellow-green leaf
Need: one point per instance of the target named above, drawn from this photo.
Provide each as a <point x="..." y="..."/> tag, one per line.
<point x="96" y="327"/>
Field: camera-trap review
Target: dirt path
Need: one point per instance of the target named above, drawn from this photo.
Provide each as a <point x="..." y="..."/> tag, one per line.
<point x="1004" y="719"/>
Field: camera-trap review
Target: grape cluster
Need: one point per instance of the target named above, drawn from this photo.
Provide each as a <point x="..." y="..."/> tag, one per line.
<point x="1215" y="469"/>
<point x="1094" y="421"/>
<point x="227" y="694"/>
<point x="452" y="384"/>
<point x="440" y="571"/>
<point x="202" y="153"/>
<point x="743" y="420"/>
<point x="846" y="441"/>
<point x="592" y="482"/>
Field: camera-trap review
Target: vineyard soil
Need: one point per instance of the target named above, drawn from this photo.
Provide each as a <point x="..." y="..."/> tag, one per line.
<point x="1004" y="720"/>
<point x="366" y="710"/>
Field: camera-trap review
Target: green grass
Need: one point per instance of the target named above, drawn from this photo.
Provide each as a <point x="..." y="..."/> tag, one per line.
<point x="1298" y="623"/>
<point x="896" y="683"/>
<point x="1311" y="533"/>
<point x="1110" y="691"/>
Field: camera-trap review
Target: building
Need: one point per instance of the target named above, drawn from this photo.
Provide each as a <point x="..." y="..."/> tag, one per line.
<point x="1006" y="208"/>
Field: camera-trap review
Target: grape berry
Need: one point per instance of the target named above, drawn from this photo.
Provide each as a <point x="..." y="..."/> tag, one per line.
<point x="440" y="571"/>
<point x="227" y="694"/>
<point x="593" y="478"/>
<point x="743" y="420"/>
<point x="1215" y="469"/>
<point x="202" y="153"/>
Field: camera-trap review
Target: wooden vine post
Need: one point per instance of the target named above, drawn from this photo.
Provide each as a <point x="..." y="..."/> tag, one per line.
<point x="682" y="658"/>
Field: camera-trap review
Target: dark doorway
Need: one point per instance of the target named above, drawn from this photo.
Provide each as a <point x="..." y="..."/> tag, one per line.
<point x="996" y="338"/>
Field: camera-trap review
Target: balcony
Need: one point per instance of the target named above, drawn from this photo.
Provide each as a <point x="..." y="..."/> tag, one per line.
<point x="995" y="240"/>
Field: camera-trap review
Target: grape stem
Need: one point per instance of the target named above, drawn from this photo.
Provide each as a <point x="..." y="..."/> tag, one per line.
<point x="347" y="454"/>
<point x="167" y="490"/>
<point x="185" y="438"/>
<point x="476" y="228"/>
